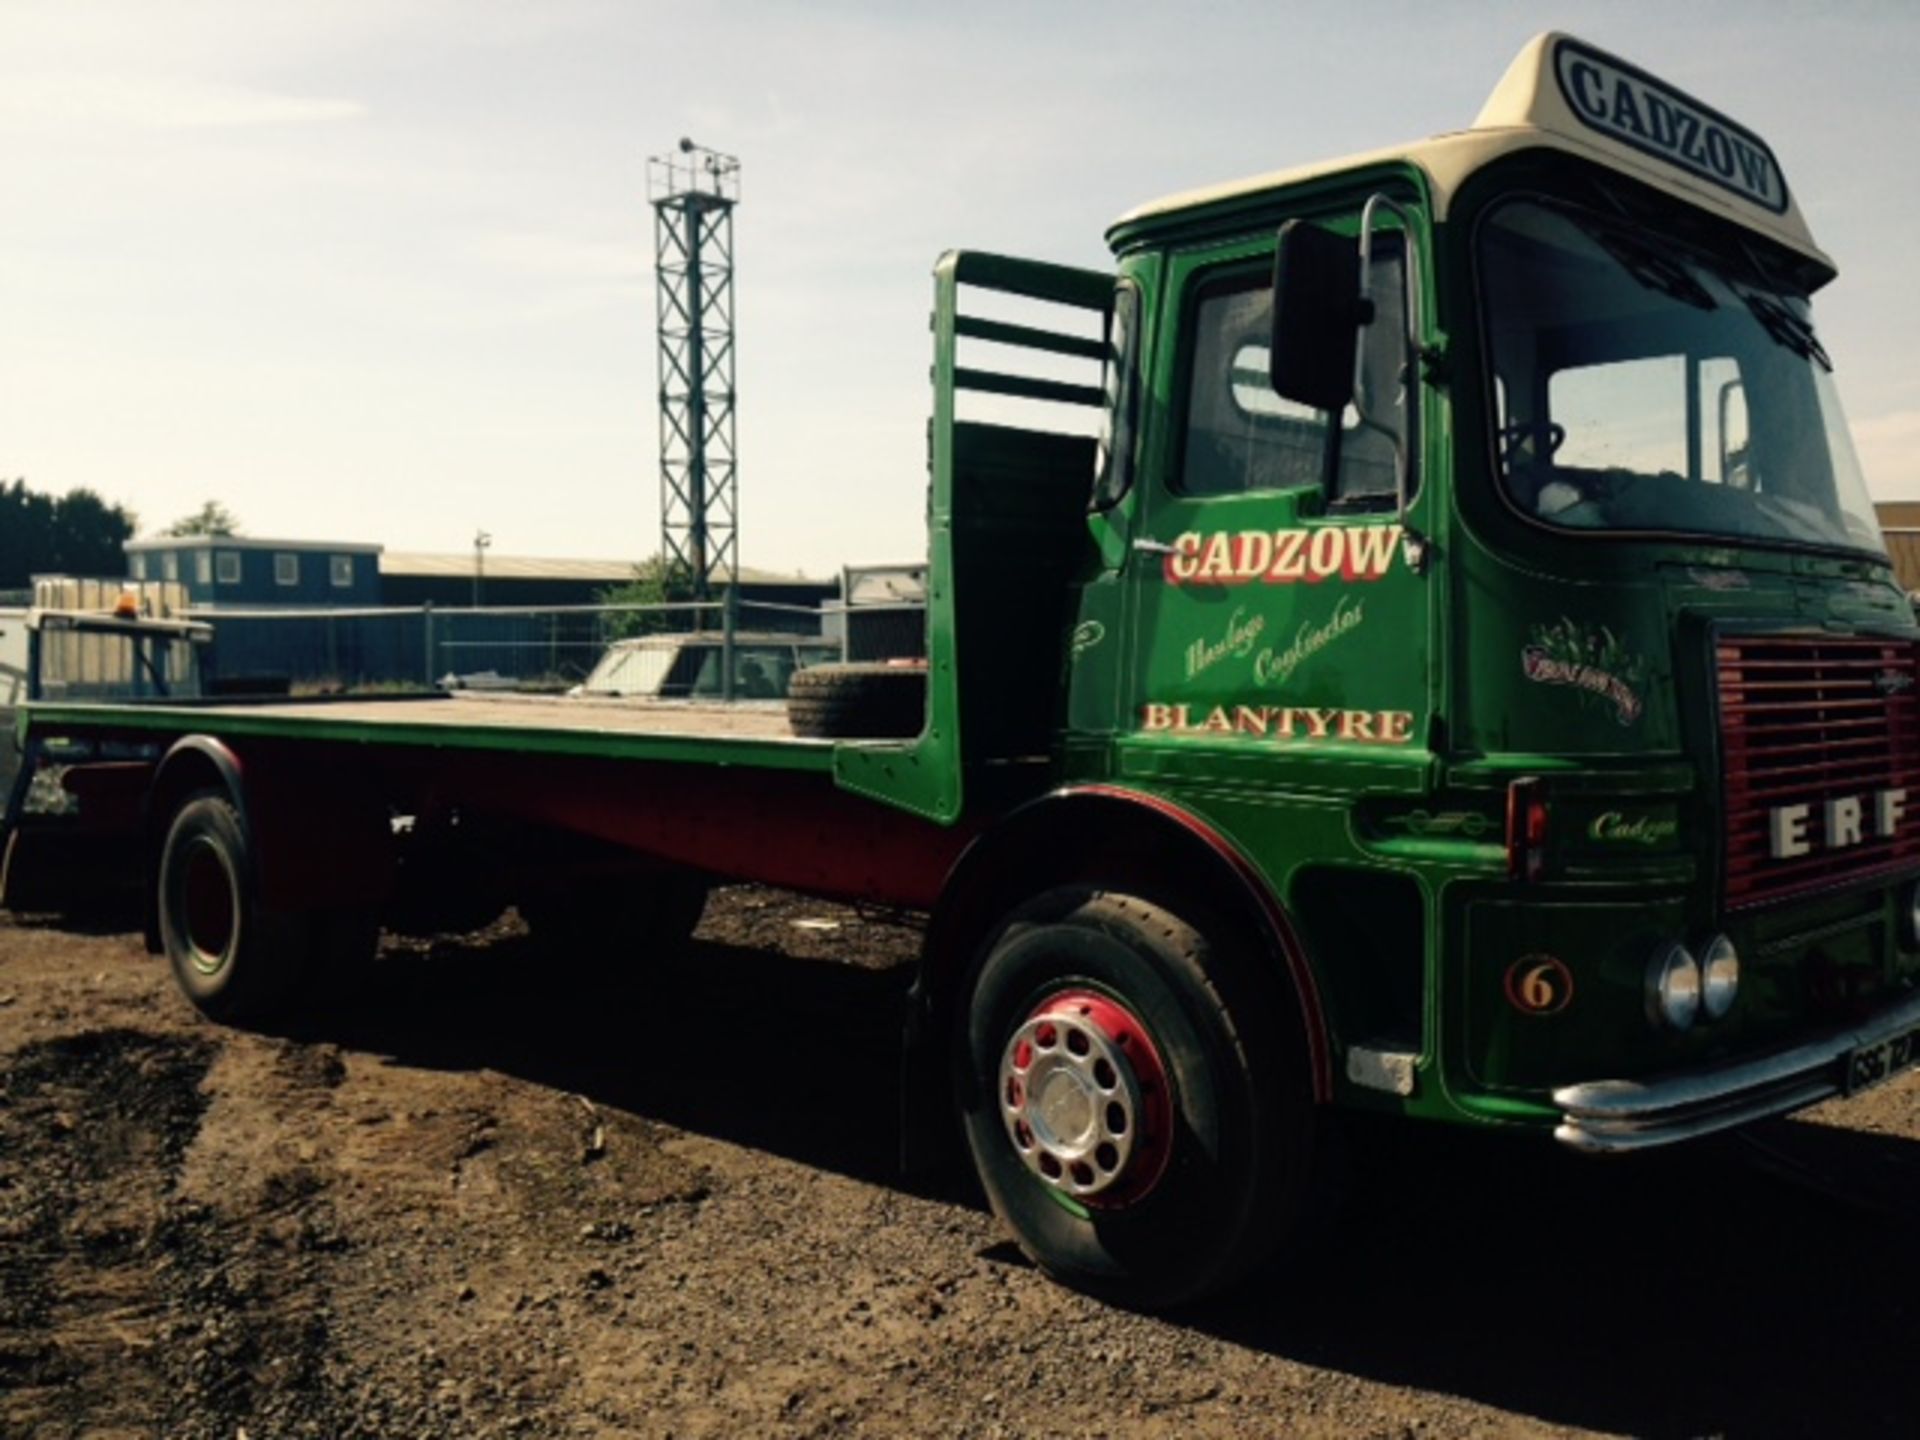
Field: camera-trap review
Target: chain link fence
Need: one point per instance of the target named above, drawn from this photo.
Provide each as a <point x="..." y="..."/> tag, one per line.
<point x="525" y="648"/>
<point x="746" y="649"/>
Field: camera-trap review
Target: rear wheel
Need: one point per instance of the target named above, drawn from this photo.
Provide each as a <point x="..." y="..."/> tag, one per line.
<point x="236" y="959"/>
<point x="1135" y="1106"/>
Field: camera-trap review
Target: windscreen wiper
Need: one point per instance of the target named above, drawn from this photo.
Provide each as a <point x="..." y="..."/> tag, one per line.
<point x="1787" y="328"/>
<point x="1654" y="269"/>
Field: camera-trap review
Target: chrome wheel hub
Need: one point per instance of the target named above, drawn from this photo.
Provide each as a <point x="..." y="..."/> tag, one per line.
<point x="1083" y="1095"/>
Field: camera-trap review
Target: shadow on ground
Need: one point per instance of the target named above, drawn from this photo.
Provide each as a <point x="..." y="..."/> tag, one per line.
<point x="796" y="1057"/>
<point x="1763" y="1285"/>
<point x="111" y="913"/>
<point x="1694" y="1293"/>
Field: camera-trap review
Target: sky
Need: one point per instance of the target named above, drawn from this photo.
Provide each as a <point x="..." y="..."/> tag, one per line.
<point x="382" y="269"/>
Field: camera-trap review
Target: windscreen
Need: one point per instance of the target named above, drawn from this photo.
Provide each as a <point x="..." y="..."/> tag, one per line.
<point x="629" y="670"/>
<point x="1640" y="385"/>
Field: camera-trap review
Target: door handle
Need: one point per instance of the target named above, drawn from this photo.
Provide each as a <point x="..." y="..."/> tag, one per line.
<point x="1152" y="547"/>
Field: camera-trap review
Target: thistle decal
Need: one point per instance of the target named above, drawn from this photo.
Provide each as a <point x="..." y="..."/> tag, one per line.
<point x="1591" y="660"/>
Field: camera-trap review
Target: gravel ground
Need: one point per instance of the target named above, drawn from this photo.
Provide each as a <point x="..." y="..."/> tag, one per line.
<point x="495" y="1199"/>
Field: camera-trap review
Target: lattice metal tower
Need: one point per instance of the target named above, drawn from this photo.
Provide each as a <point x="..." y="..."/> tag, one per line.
<point x="693" y="194"/>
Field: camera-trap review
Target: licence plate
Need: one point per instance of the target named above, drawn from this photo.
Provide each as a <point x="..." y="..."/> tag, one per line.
<point x="1871" y="1064"/>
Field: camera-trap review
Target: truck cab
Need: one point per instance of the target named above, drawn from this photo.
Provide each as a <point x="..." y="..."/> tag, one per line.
<point x="1484" y="557"/>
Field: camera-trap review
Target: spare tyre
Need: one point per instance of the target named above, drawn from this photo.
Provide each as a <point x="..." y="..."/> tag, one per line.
<point x="870" y="701"/>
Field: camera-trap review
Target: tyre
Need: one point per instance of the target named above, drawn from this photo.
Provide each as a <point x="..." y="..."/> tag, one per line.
<point x="861" y="701"/>
<point x="1137" y="1110"/>
<point x="235" y="959"/>
<point x="622" y="919"/>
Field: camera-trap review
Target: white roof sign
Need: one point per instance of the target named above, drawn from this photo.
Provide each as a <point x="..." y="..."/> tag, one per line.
<point x="1561" y="94"/>
<point x="1635" y="109"/>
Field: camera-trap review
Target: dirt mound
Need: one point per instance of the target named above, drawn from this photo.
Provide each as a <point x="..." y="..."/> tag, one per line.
<point x="485" y="1197"/>
<point x="105" y="1269"/>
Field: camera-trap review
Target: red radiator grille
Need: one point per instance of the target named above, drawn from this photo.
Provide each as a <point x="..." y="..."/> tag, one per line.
<point x="1805" y="720"/>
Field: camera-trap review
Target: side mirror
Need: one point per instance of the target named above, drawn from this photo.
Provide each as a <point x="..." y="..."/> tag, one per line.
<point x="1317" y="315"/>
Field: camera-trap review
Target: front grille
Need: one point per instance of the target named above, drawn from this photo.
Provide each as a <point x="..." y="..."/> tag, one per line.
<point x="1805" y="720"/>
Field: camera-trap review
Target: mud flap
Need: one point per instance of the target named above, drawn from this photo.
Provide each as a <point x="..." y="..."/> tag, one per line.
<point x="932" y="1146"/>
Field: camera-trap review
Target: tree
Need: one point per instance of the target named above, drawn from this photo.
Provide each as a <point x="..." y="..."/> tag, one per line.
<point x="656" y="581"/>
<point x="212" y="518"/>
<point x="89" y="535"/>
<point x="78" y="533"/>
<point x="26" y="518"/>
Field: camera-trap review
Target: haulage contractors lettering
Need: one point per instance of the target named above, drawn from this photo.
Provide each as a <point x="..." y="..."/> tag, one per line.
<point x="1276" y="667"/>
<point x="1283" y="557"/>
<point x="1241" y="633"/>
<point x="1281" y="722"/>
<point x="1652" y="118"/>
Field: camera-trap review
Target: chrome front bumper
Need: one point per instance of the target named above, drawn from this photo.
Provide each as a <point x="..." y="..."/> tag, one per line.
<point x="1608" y="1116"/>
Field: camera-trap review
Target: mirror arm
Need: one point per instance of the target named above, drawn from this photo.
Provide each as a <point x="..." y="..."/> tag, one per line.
<point x="1727" y="387"/>
<point x="1414" y="544"/>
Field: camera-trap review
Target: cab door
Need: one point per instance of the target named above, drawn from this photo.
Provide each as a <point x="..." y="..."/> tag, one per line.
<point x="1280" y="617"/>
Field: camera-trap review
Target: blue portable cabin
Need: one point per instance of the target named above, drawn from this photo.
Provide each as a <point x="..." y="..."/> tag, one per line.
<point x="243" y="572"/>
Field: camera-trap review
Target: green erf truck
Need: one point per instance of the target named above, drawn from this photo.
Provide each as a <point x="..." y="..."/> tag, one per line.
<point x="1412" y="639"/>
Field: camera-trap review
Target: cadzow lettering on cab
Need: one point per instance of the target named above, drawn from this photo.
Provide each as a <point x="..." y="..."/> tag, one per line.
<point x="1283" y="557"/>
<point x="1640" y="111"/>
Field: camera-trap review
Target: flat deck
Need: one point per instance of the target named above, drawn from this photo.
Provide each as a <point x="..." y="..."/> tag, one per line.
<point x="750" y="733"/>
<point x="758" y="720"/>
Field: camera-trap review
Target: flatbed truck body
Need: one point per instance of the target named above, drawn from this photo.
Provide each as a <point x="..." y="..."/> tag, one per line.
<point x="724" y="789"/>
<point x="1463" y="681"/>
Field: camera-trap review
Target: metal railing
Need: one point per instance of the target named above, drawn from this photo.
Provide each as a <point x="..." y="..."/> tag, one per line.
<point x="721" y="650"/>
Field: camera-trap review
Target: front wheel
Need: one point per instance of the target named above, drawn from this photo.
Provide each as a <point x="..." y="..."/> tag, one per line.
<point x="1136" y="1105"/>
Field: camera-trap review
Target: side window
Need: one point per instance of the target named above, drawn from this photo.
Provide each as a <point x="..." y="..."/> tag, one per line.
<point x="227" y="567"/>
<point x="203" y="567"/>
<point x="340" y="570"/>
<point x="286" y="569"/>
<point x="1113" y="461"/>
<point x="1241" y="436"/>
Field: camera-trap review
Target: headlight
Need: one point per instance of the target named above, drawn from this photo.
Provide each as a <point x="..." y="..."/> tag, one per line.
<point x="1913" y="918"/>
<point x="1719" y="977"/>
<point x="1673" y="986"/>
